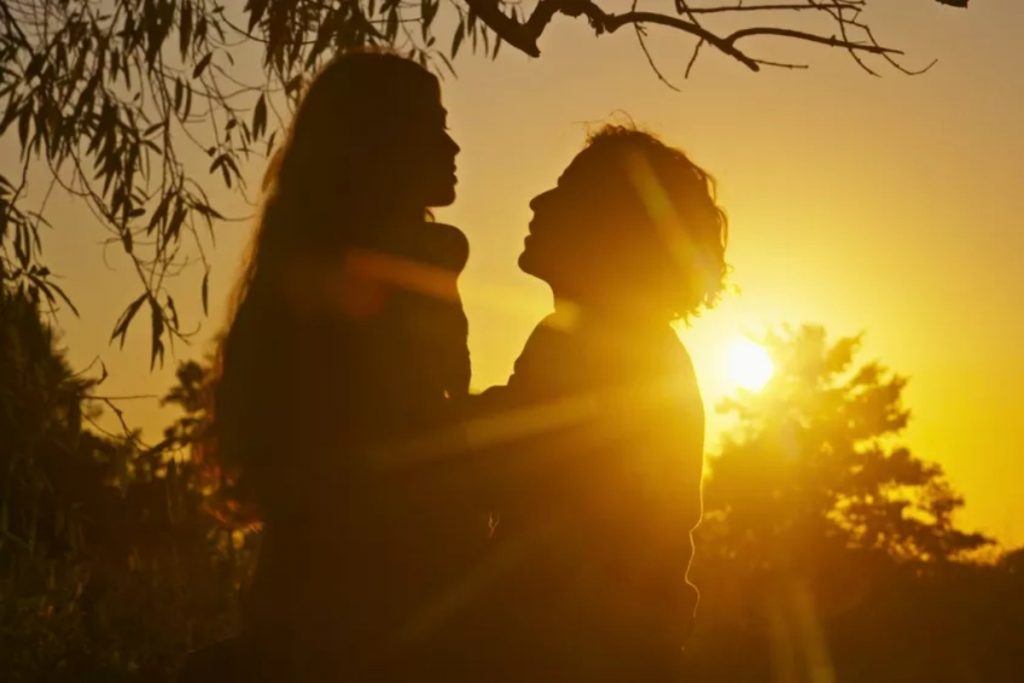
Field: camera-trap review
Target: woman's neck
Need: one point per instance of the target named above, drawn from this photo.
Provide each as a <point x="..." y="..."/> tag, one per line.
<point x="390" y="217"/>
<point x="373" y="224"/>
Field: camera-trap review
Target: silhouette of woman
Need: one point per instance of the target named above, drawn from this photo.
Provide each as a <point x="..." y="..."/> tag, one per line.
<point x="348" y="332"/>
<point x="595" y="498"/>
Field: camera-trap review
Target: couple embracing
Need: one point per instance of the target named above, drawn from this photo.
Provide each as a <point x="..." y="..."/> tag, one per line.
<point x="539" y="531"/>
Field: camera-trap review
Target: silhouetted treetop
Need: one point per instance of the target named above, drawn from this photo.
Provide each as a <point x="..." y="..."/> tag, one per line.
<point x="816" y="459"/>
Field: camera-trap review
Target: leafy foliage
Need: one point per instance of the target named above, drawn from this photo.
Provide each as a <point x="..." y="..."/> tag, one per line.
<point x="816" y="459"/>
<point x="106" y="100"/>
<point x="116" y="559"/>
<point x="131" y="105"/>
<point x="829" y="551"/>
<point x="111" y="563"/>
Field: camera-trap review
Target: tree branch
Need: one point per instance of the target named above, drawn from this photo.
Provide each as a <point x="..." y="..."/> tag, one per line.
<point x="524" y="35"/>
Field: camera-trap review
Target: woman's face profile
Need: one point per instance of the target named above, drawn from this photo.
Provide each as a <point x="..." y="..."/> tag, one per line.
<point x="431" y="153"/>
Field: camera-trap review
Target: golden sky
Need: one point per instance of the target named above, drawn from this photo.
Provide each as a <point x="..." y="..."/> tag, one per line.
<point x="893" y="206"/>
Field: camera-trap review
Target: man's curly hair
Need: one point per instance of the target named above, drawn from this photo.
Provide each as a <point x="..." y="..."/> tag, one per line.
<point x="676" y="244"/>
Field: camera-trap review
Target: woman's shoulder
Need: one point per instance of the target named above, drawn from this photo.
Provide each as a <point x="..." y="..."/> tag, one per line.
<point x="446" y="245"/>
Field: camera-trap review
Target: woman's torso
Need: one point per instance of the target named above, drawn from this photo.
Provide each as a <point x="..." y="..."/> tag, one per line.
<point x="338" y="566"/>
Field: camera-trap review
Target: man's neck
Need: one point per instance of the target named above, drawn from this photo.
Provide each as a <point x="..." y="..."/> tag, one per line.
<point x="623" y="318"/>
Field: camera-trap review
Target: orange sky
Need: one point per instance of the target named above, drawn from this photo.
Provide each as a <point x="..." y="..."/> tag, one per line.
<point x="890" y="205"/>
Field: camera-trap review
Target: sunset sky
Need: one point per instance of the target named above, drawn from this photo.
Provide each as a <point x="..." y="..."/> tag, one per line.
<point x="892" y="206"/>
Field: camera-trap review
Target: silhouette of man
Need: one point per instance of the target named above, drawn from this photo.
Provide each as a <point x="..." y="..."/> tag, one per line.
<point x="592" y="453"/>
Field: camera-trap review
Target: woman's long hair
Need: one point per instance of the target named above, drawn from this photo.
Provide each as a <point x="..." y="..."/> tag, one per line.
<point x="330" y="186"/>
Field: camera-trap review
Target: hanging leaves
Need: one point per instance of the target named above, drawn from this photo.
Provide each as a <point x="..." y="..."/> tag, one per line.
<point x="201" y="66"/>
<point x="121" y="326"/>
<point x="259" y="117"/>
<point x="460" y="34"/>
<point x="111" y="99"/>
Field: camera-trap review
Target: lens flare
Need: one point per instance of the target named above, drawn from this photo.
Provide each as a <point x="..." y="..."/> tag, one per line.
<point x="749" y="365"/>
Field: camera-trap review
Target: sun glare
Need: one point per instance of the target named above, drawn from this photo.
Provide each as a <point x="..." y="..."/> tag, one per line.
<point x="749" y="364"/>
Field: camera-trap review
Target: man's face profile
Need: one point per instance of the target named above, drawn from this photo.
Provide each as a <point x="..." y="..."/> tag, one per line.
<point x="570" y="240"/>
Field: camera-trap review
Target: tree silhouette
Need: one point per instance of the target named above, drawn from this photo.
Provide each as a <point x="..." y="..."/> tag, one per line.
<point x="131" y="105"/>
<point x="112" y="559"/>
<point x="828" y="550"/>
<point x="816" y="459"/>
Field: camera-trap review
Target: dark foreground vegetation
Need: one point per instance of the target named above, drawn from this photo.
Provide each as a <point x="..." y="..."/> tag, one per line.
<point x="829" y="551"/>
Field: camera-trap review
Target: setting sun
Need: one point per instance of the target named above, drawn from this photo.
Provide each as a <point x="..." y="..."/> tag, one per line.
<point x="748" y="364"/>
